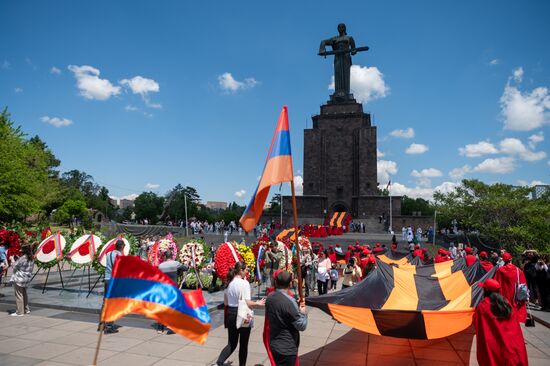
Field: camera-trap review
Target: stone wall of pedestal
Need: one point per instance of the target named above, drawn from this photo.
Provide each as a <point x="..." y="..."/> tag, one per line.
<point x="340" y="155"/>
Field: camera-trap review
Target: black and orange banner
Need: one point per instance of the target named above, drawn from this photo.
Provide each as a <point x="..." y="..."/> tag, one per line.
<point x="400" y="299"/>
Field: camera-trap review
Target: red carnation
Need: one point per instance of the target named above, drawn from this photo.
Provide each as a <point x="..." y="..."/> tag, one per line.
<point x="224" y="260"/>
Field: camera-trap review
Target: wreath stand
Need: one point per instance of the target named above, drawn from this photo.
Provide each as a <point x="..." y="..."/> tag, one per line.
<point x="81" y="280"/>
<point x="48" y="275"/>
<point x="95" y="283"/>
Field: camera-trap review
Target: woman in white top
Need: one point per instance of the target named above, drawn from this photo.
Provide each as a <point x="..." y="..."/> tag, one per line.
<point x="238" y="286"/>
<point x="323" y="269"/>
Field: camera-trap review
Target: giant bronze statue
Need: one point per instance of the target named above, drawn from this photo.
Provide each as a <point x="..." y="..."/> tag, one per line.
<point x="343" y="46"/>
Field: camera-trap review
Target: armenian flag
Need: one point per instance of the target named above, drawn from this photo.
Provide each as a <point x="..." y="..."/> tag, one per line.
<point x="277" y="169"/>
<point x="138" y="287"/>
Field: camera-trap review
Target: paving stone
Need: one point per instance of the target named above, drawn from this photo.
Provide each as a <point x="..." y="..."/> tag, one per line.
<point x="123" y="358"/>
<point x="83" y="356"/>
<point x="380" y="360"/>
<point x="13" y="360"/>
<point x="46" y="334"/>
<point x="155" y="349"/>
<point x="45" y="351"/>
<point x="15" y="344"/>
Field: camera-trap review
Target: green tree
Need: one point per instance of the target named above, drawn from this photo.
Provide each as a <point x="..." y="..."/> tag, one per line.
<point x="24" y="169"/>
<point x="410" y="205"/>
<point x="502" y="213"/>
<point x="275" y="203"/>
<point x="72" y="208"/>
<point x="148" y="206"/>
<point x="175" y="204"/>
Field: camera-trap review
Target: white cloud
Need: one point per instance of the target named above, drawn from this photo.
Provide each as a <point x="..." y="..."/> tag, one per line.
<point x="56" y="122"/>
<point x="55" y="70"/>
<point x="366" y="83"/>
<point x="428" y="173"/>
<point x="513" y="146"/>
<point x="240" y="193"/>
<point x="518" y="74"/>
<point x="130" y="108"/>
<point x="140" y="85"/>
<point x="5" y="65"/>
<point x="457" y="174"/>
<point x="130" y="197"/>
<point x="18" y="90"/>
<point x="385" y="168"/>
<point x="479" y="149"/>
<point x="499" y="165"/>
<point x="495" y="61"/>
<point x="379" y="153"/>
<point x="230" y="84"/>
<point x="535" y="139"/>
<point x="405" y="134"/>
<point x="298" y="185"/>
<point x="532" y="184"/>
<point x="152" y="185"/>
<point x="90" y="85"/>
<point x="417" y="149"/>
<point x="399" y="189"/>
<point x="524" y="111"/>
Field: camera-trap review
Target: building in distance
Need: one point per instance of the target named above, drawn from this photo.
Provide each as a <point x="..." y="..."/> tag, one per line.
<point x="216" y="205"/>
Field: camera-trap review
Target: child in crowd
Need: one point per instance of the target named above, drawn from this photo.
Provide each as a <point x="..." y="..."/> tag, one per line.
<point x="333" y="277"/>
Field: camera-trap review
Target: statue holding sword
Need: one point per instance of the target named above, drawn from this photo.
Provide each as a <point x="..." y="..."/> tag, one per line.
<point x="343" y="46"/>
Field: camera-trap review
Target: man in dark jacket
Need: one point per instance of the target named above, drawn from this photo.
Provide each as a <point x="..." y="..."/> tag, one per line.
<point x="286" y="320"/>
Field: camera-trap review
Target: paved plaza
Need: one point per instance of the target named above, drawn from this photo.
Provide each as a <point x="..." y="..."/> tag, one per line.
<point x="60" y="337"/>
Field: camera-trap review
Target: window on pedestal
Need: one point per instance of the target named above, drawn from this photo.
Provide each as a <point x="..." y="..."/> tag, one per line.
<point x="339" y="191"/>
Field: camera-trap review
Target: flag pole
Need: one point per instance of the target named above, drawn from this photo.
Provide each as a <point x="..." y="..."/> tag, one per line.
<point x="298" y="251"/>
<point x="101" y="328"/>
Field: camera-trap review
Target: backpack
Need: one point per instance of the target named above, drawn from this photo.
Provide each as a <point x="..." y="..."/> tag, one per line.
<point x="522" y="291"/>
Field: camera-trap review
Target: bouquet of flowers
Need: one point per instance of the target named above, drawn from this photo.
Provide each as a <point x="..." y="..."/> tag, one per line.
<point x="186" y="254"/>
<point x="166" y="244"/>
<point x="12" y="240"/>
<point x="248" y="257"/>
<point x="304" y="242"/>
<point x="225" y="259"/>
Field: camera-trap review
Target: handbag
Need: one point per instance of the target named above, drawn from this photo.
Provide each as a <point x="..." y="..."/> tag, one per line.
<point x="245" y="315"/>
<point x="522" y="291"/>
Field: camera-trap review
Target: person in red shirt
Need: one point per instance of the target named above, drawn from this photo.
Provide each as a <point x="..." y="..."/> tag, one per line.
<point x="442" y="256"/>
<point x="331" y="254"/>
<point x="485" y="263"/>
<point x="377" y="248"/>
<point x="347" y="256"/>
<point x="499" y="337"/>
<point x="418" y="252"/>
<point x="509" y="276"/>
<point x="470" y="258"/>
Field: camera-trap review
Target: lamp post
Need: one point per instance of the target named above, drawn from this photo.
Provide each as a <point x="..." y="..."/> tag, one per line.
<point x="186" y="222"/>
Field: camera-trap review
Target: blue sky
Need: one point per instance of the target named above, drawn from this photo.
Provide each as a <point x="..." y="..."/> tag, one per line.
<point x="145" y="95"/>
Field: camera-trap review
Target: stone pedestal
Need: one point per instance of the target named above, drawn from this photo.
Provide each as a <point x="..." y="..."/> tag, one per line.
<point x="340" y="165"/>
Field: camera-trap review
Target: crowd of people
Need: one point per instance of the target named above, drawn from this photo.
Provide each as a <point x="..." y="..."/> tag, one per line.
<point x="496" y="318"/>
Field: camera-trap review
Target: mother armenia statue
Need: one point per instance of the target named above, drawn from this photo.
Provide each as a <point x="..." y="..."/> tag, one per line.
<point x="343" y="46"/>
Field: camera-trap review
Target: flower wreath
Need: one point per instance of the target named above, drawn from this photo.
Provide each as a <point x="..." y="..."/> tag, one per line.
<point x="134" y="247"/>
<point x="225" y="259"/>
<point x="192" y="250"/>
<point x="166" y="244"/>
<point x="248" y="259"/>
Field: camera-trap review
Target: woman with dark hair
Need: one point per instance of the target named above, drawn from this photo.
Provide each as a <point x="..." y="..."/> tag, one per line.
<point x="21" y="277"/>
<point x="323" y="269"/>
<point x="238" y="288"/>
<point x="499" y="338"/>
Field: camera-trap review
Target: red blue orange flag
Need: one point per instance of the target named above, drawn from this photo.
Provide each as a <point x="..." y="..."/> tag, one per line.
<point x="277" y="169"/>
<point x="138" y="287"/>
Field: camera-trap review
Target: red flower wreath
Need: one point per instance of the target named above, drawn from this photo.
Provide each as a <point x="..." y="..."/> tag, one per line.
<point x="224" y="260"/>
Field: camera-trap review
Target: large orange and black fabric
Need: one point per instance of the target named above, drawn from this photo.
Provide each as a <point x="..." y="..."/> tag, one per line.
<point x="286" y="234"/>
<point x="400" y="299"/>
<point x="333" y="219"/>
